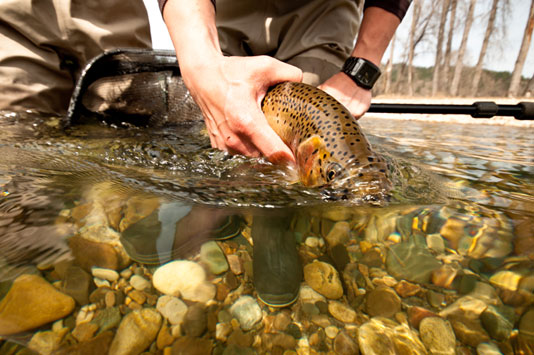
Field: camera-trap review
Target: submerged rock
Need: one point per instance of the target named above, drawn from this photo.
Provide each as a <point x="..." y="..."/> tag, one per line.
<point x="382" y="301"/>
<point x="411" y="262"/>
<point x="323" y="278"/>
<point x="136" y="332"/>
<point x="384" y="336"/>
<point x="438" y="336"/>
<point x="247" y="311"/>
<point x="184" y="278"/>
<point x="30" y="303"/>
<point x="212" y="256"/>
<point x="498" y="321"/>
<point x="172" y="308"/>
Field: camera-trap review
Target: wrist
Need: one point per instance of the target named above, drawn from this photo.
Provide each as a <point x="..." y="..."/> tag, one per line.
<point x="362" y="72"/>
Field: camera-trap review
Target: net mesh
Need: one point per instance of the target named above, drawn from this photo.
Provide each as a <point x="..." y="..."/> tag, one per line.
<point x="132" y="86"/>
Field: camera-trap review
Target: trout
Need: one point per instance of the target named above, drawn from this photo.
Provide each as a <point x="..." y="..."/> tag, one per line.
<point x="329" y="147"/>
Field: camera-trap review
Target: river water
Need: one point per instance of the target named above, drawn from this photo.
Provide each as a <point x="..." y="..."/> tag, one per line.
<point x="453" y="251"/>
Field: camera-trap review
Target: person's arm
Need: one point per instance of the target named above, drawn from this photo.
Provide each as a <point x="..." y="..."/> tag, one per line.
<point x="377" y="28"/>
<point x="228" y="90"/>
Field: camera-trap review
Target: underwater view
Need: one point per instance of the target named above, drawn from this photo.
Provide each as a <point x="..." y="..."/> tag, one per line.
<point x="126" y="240"/>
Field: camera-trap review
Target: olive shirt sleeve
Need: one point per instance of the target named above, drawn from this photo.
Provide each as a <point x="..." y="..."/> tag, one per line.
<point x="396" y="7"/>
<point x="162" y="3"/>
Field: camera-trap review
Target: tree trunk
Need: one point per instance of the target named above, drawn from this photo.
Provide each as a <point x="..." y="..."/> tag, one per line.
<point x="415" y="19"/>
<point x="435" y="76"/>
<point x="461" y="51"/>
<point x="522" y="56"/>
<point x="489" y="31"/>
<point x="447" y="58"/>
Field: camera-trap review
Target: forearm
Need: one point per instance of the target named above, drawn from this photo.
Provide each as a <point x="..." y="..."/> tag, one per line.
<point x="376" y="31"/>
<point x="191" y="25"/>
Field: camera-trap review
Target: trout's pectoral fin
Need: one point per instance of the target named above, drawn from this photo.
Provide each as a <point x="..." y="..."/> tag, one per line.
<point x="310" y="154"/>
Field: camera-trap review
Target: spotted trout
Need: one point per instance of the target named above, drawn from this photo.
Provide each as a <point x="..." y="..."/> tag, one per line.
<point x="329" y="147"/>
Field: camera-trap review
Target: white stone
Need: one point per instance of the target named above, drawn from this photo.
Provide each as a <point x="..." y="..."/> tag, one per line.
<point x="488" y="349"/>
<point x="172" y="308"/>
<point x="139" y="283"/>
<point x="312" y="242"/>
<point x="101" y="283"/>
<point x="105" y="274"/>
<point x="247" y="311"/>
<point x="309" y="295"/>
<point x="185" y="278"/>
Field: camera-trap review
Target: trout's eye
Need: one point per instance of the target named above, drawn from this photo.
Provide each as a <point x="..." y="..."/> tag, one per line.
<point x="333" y="170"/>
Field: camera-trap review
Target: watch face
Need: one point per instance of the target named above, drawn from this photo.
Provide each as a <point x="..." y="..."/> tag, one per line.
<point x="363" y="73"/>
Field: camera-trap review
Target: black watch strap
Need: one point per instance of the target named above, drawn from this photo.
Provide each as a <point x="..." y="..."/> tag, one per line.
<point x="361" y="71"/>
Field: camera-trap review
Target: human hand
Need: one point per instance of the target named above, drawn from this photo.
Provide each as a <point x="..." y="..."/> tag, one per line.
<point x="356" y="99"/>
<point x="229" y="92"/>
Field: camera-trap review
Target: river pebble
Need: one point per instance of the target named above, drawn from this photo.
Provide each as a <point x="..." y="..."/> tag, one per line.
<point x="382" y="301"/>
<point x="136" y="332"/>
<point x="30" y="303"/>
<point x="383" y="336"/>
<point x="411" y="262"/>
<point x="526" y="324"/>
<point x="184" y="278"/>
<point x="498" y="321"/>
<point x="341" y="312"/>
<point x="345" y="345"/>
<point x="172" y="308"/>
<point x="438" y="336"/>
<point x="324" y="279"/>
<point x="212" y="256"/>
<point x="105" y="274"/>
<point x="139" y="283"/>
<point x="77" y="283"/>
<point x="247" y="311"/>
<point x="195" y="322"/>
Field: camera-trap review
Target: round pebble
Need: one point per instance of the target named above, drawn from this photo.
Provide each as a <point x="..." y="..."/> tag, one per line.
<point x="185" y="278"/>
<point x="323" y="278"/>
<point x="139" y="283"/>
<point x="105" y="274"/>
<point x="437" y="335"/>
<point x="247" y="311"/>
<point x="172" y="308"/>
<point x="331" y="331"/>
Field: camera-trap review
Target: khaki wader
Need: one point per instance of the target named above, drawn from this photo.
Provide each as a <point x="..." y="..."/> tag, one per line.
<point x="314" y="35"/>
<point x="44" y="44"/>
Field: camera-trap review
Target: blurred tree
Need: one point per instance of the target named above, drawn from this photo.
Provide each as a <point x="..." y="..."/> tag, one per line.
<point x="485" y="42"/>
<point x="439" y="45"/>
<point x="460" y="60"/>
<point x="522" y="56"/>
<point x="447" y="59"/>
<point x="415" y="18"/>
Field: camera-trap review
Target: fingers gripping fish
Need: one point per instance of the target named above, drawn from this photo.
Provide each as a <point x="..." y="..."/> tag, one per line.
<point x="330" y="149"/>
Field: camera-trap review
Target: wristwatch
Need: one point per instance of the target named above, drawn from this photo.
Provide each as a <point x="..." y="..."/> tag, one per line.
<point x="361" y="71"/>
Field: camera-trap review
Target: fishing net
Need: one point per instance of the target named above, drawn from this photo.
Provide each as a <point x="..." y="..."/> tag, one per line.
<point x="133" y="86"/>
<point x="144" y="87"/>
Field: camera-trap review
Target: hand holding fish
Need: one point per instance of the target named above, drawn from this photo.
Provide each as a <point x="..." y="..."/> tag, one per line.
<point x="230" y="101"/>
<point x="356" y="99"/>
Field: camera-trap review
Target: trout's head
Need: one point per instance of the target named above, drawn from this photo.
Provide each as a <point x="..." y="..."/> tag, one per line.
<point x="316" y="165"/>
<point x="342" y="179"/>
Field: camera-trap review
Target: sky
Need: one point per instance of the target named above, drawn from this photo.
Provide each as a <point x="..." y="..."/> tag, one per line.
<point x="501" y="55"/>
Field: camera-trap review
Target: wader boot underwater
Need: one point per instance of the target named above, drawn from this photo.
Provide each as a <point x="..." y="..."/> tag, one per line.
<point x="176" y="230"/>
<point x="276" y="266"/>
